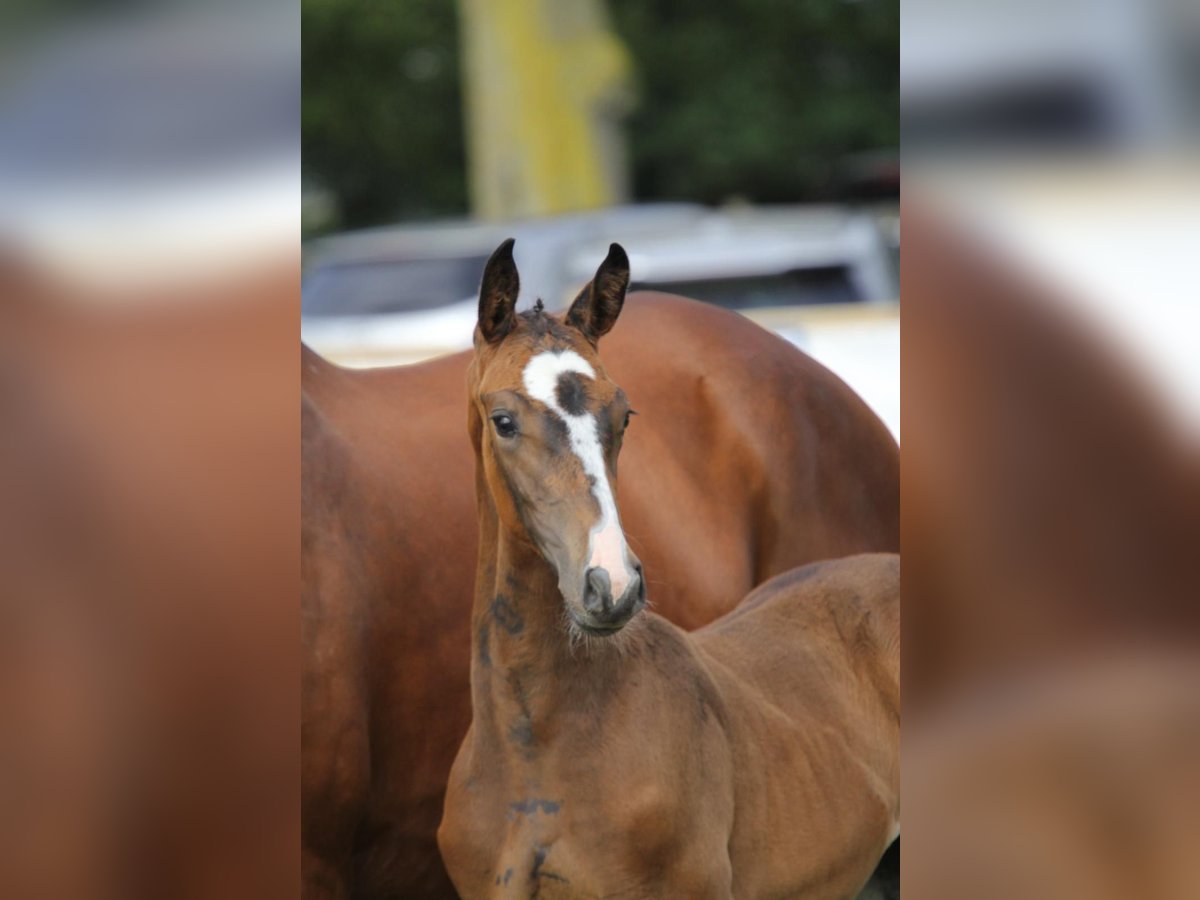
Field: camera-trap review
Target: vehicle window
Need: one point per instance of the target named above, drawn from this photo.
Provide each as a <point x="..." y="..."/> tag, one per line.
<point x="370" y="288"/>
<point x="1064" y="112"/>
<point x="800" y="287"/>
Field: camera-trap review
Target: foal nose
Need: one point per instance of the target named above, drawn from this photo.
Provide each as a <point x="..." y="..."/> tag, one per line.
<point x="598" y="598"/>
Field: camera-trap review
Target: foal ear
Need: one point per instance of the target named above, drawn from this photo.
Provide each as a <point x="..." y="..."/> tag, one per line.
<point x="498" y="294"/>
<point x="595" y="310"/>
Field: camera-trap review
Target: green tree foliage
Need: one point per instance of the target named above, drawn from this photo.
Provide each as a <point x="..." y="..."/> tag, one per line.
<point x="382" y="108"/>
<point x="758" y="99"/>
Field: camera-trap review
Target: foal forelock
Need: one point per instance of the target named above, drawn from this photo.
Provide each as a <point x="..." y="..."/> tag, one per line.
<point x="543" y="377"/>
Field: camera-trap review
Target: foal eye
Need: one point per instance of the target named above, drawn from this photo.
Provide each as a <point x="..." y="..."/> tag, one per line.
<point x="505" y="426"/>
<point x="628" y="416"/>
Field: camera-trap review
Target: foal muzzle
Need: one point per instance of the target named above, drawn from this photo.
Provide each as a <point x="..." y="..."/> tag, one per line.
<point x="602" y="613"/>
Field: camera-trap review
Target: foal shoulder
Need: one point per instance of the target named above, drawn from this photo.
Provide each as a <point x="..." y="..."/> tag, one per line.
<point x="680" y="671"/>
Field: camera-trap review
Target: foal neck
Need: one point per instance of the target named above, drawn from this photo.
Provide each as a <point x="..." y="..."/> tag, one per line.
<point x="518" y="614"/>
<point x="527" y="676"/>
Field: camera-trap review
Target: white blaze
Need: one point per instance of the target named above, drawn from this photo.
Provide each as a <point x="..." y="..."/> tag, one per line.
<point x="606" y="542"/>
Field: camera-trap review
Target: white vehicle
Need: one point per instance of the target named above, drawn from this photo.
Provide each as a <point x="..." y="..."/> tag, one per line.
<point x="761" y="257"/>
<point x="404" y="294"/>
<point x="823" y="278"/>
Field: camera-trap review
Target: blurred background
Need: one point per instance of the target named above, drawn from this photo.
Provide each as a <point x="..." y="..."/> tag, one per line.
<point x="744" y="153"/>
<point x="149" y="288"/>
<point x="1051" y="471"/>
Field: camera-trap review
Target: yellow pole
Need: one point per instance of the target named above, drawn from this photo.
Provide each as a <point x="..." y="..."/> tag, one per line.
<point x="546" y="84"/>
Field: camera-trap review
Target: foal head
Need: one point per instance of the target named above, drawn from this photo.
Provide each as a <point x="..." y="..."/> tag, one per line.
<point x="547" y="423"/>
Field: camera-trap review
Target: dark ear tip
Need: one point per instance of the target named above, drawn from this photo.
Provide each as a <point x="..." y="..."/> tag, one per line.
<point x="617" y="255"/>
<point x="505" y="249"/>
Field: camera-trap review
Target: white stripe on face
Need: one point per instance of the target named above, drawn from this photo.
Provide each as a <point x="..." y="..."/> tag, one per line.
<point x="606" y="541"/>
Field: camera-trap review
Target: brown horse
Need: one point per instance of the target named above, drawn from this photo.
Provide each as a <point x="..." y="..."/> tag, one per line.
<point x="750" y="459"/>
<point x="610" y="752"/>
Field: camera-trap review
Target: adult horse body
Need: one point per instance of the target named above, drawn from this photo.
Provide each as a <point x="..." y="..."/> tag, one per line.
<point x="610" y="752"/>
<point x="750" y="459"/>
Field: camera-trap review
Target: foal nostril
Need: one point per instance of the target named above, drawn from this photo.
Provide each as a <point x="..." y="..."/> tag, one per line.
<point x="598" y="596"/>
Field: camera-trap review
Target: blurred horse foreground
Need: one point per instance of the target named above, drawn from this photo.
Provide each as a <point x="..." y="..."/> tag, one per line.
<point x="747" y="459"/>
<point x="756" y="757"/>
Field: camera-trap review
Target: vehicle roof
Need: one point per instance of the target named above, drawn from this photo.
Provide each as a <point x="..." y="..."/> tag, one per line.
<point x="743" y="242"/>
<point x="462" y="237"/>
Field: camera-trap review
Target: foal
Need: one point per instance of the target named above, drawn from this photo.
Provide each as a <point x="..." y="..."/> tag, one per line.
<point x="611" y="753"/>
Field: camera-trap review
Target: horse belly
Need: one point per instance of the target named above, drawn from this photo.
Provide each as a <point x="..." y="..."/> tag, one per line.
<point x="819" y="825"/>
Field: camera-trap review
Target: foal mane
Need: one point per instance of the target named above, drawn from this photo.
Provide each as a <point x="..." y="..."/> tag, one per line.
<point x="537" y="323"/>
